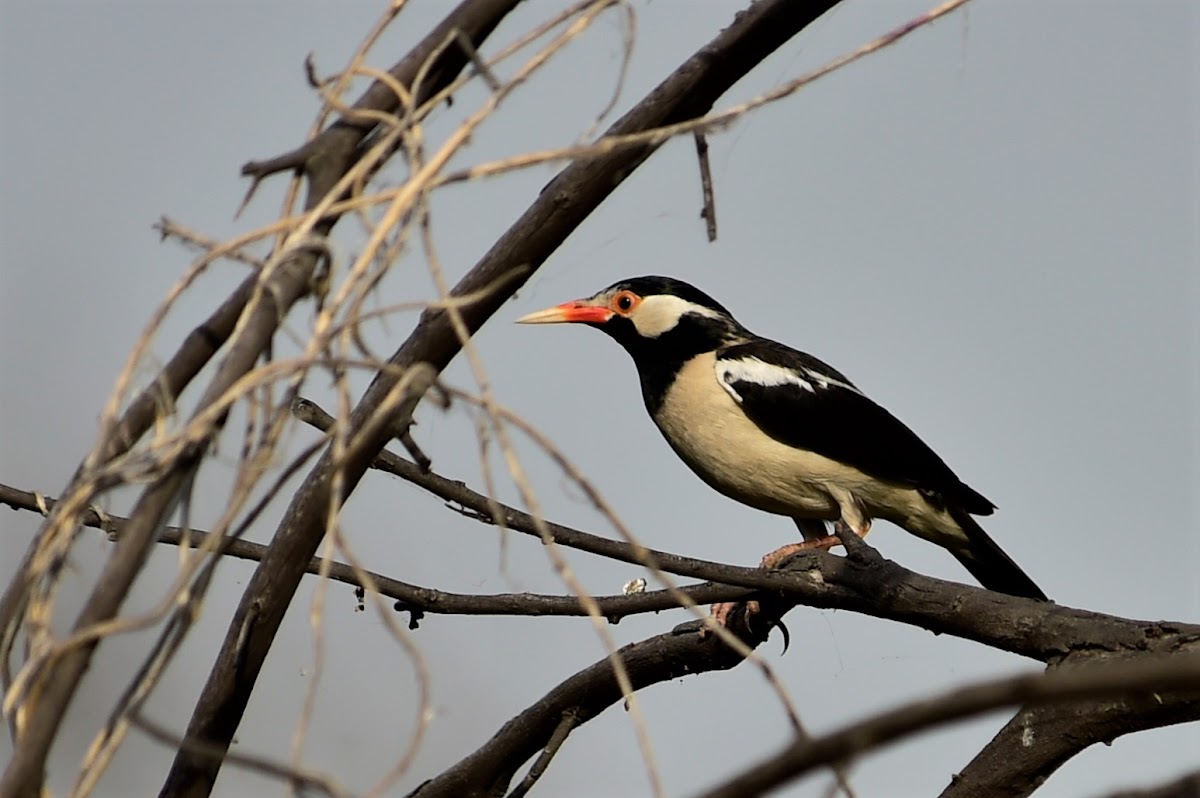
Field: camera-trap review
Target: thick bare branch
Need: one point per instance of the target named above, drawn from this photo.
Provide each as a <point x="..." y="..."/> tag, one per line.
<point x="326" y="158"/>
<point x="1042" y="738"/>
<point x="1051" y="733"/>
<point x="1169" y="677"/>
<point x="866" y="583"/>
<point x="1106" y="676"/>
<point x="489" y="770"/>
<point x="561" y="207"/>
<point x="58" y="677"/>
<point x="270" y="295"/>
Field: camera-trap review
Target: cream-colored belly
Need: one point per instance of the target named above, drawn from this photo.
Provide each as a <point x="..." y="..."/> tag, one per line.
<point x="709" y="431"/>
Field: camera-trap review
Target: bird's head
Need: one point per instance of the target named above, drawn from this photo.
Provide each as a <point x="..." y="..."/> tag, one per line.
<point x="654" y="318"/>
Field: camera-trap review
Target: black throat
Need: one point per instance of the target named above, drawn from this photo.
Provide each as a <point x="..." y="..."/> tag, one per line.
<point x="659" y="359"/>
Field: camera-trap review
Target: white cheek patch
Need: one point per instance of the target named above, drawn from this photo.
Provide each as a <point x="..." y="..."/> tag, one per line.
<point x="659" y="314"/>
<point x="751" y="369"/>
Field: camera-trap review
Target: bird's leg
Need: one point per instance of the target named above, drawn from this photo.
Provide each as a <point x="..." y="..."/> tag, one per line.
<point x="772" y="559"/>
<point x="815" y="537"/>
<point x="721" y="612"/>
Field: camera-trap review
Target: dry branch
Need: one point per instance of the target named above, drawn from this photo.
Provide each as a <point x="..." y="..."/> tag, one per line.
<point x="420" y="600"/>
<point x="1108" y="676"/>
<point x="709" y="210"/>
<point x="257" y="309"/>
<point x="1081" y="637"/>
<point x="866" y="584"/>
<point x="683" y="652"/>
<point x="1042" y="738"/>
<point x="561" y="207"/>
<point x="1169" y="677"/>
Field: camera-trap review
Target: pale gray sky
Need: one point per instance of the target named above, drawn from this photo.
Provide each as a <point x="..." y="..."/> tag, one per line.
<point x="991" y="227"/>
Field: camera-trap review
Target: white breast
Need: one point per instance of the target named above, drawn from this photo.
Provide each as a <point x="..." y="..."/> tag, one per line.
<point x="708" y="430"/>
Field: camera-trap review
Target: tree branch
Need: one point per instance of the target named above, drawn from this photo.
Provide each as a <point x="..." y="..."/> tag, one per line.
<point x="275" y="291"/>
<point x="1042" y="738"/>
<point x="1048" y="734"/>
<point x="867" y="583"/>
<point x="570" y="720"/>
<point x="326" y="159"/>
<point x="1162" y="675"/>
<point x="559" y="209"/>
<point x="489" y="770"/>
<point x="57" y="678"/>
<point x="409" y="597"/>
<point x="1169" y="677"/>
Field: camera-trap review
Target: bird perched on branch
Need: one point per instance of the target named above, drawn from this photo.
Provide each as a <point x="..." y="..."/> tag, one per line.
<point x="781" y="431"/>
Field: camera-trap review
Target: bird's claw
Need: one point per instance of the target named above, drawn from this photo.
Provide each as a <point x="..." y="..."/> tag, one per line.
<point x="723" y="612"/>
<point x="787" y="636"/>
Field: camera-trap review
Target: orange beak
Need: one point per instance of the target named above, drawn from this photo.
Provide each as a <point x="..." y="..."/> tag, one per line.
<point x="577" y="311"/>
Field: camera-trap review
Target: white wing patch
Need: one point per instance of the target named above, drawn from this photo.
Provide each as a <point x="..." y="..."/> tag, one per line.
<point x="751" y="369"/>
<point x="824" y="381"/>
<point x="759" y="372"/>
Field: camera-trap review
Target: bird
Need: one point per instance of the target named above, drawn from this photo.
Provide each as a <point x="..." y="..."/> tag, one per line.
<point x="783" y="432"/>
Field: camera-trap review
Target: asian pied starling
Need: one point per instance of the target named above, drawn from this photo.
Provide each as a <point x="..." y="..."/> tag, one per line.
<point x="781" y="431"/>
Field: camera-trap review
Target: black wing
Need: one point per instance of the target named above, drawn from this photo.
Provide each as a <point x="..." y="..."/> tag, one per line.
<point x="800" y="401"/>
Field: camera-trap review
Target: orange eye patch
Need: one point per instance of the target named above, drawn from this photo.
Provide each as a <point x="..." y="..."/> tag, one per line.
<point x="625" y="302"/>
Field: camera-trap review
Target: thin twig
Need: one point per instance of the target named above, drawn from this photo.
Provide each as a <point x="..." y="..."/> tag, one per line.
<point x="169" y="228"/>
<point x="613" y="143"/>
<point x="709" y="212"/>
<point x="570" y="719"/>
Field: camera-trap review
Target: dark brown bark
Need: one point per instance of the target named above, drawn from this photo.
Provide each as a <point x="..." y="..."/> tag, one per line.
<point x="1108" y="676"/>
<point x="488" y="771"/>
<point x="561" y="206"/>
<point x="60" y="677"/>
<point x="269" y="302"/>
<point x="1040" y="739"/>
<point x="1162" y="687"/>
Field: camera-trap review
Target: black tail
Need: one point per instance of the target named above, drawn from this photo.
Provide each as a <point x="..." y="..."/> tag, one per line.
<point x="988" y="563"/>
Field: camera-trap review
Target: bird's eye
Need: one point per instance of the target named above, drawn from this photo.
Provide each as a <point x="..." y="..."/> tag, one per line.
<point x="625" y="302"/>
